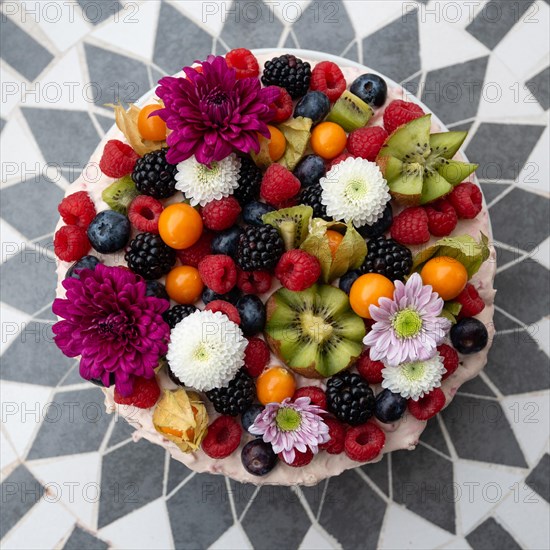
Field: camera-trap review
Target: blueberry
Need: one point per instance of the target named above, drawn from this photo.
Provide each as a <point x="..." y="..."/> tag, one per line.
<point x="86" y="262"/>
<point x="208" y="295"/>
<point x="226" y="241"/>
<point x="310" y="170"/>
<point x="314" y="105"/>
<point x="156" y="289"/>
<point x="250" y="415"/>
<point x="379" y="227"/>
<point x="109" y="231"/>
<point x="253" y="212"/>
<point x="371" y="88"/>
<point x="469" y="336"/>
<point x="252" y="312"/>
<point x="99" y="382"/>
<point x="348" y="279"/>
<point x="258" y="457"/>
<point x="389" y="407"/>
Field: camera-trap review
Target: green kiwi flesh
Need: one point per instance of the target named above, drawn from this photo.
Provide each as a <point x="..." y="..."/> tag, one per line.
<point x="350" y="112"/>
<point x="292" y="223"/>
<point x="120" y="194"/>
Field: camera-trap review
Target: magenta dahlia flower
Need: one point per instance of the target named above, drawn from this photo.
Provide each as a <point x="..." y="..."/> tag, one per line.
<point x="213" y="113"/>
<point x="291" y="426"/>
<point x="409" y="327"/>
<point x="110" y="322"/>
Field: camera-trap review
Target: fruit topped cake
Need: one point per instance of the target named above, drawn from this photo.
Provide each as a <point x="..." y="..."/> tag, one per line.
<point x="284" y="270"/>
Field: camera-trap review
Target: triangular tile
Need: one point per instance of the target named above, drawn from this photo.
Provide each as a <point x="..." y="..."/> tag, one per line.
<point x="11" y="90"/>
<point x="106" y="123"/>
<point x="233" y="538"/>
<point x="532" y="176"/>
<point x="368" y="17"/>
<point x="458" y="543"/>
<point x="476" y="386"/>
<point x="13" y="319"/>
<point x="7" y="452"/>
<point x="492" y="190"/>
<point x="433" y="436"/>
<point x="314" y="540"/>
<point x="378" y="473"/>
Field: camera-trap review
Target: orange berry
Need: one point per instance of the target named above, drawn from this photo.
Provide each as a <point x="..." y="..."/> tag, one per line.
<point x="184" y="284"/>
<point x="328" y="140"/>
<point x="151" y="127"/>
<point x="334" y="240"/>
<point x="447" y="276"/>
<point x="367" y="290"/>
<point x="274" y="385"/>
<point x="180" y="225"/>
<point x="277" y="143"/>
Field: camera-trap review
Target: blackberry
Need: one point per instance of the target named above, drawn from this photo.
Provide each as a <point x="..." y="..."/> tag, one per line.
<point x="311" y="196"/>
<point x="388" y="258"/>
<point x="289" y="72"/>
<point x="177" y="313"/>
<point x="154" y="176"/>
<point x="148" y="256"/>
<point x="259" y="248"/>
<point x="250" y="179"/>
<point x="378" y="227"/>
<point x="236" y="398"/>
<point x="350" y="398"/>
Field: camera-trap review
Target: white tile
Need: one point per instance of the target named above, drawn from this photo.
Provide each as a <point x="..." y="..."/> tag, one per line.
<point x="458" y="543"/>
<point x="542" y="334"/>
<point x="289" y="11"/>
<point x="233" y="538"/>
<point x="315" y="540"/>
<point x="13" y="322"/>
<point x="12" y="89"/>
<point x="369" y="16"/>
<point x="7" y="452"/>
<point x="534" y="175"/>
<point x="210" y="15"/>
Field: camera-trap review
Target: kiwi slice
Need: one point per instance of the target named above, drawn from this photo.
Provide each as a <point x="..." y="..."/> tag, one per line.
<point x="314" y="332"/>
<point x="292" y="223"/>
<point x="350" y="112"/>
<point x="418" y="166"/>
<point x="120" y="194"/>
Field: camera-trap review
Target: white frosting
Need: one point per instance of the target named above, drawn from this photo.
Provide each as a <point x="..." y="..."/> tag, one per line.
<point x="403" y="434"/>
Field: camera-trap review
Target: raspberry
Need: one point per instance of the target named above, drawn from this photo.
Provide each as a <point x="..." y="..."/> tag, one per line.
<point x="194" y="254"/>
<point x="316" y="395"/>
<point x="400" y="112"/>
<point x="370" y="370"/>
<point x="428" y="406"/>
<point x="367" y="142"/>
<point x="364" y="442"/>
<point x="144" y="213"/>
<point x="70" y="243"/>
<point x="300" y="459"/>
<point x="145" y="394"/>
<point x="467" y="200"/>
<point x="411" y="226"/>
<point x="341" y="157"/>
<point x="118" y="159"/>
<point x="221" y="214"/>
<point x="218" y="272"/>
<point x="256" y="356"/>
<point x="226" y="308"/>
<point x="442" y="218"/>
<point x="244" y="63"/>
<point x="254" y="282"/>
<point x="472" y="303"/>
<point x="283" y="106"/>
<point x="337" y="433"/>
<point x="279" y="185"/>
<point x="223" y="437"/>
<point x="450" y="359"/>
<point x="77" y="209"/>
<point x="297" y="270"/>
<point x="327" y="77"/>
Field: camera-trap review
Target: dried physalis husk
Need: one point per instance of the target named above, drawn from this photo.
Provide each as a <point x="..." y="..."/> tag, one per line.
<point x="181" y="417"/>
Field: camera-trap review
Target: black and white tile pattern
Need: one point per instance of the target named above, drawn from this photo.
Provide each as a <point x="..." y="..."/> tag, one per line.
<point x="72" y="477"/>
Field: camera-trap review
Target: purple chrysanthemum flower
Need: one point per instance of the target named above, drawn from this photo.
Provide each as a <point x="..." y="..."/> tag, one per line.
<point x="409" y="327"/>
<point x="111" y="323"/>
<point x="213" y="113"/>
<point x="291" y="426"/>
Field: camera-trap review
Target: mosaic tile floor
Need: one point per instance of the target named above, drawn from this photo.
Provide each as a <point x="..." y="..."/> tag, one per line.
<point x="71" y="475"/>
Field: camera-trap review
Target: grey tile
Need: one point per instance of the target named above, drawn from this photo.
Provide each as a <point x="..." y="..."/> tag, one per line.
<point x="539" y="86"/>
<point x="423" y="483"/>
<point x="74" y="422"/>
<point x="105" y="122"/>
<point x="204" y="503"/>
<point x="2" y="124"/>
<point x="74" y="377"/>
<point x="22" y="51"/>
<point x="412" y="84"/>
<point x="453" y="93"/>
<point x="20" y="491"/>
<point x="495" y="19"/>
<point x="82" y="540"/>
<point x="96" y="12"/>
<point x="378" y="472"/>
<point x="290" y="42"/>
<point x="72" y="174"/>
<point x="179" y="41"/>
<point x="314" y="495"/>
<point x="219" y="48"/>
<point x="242" y="494"/>
<point x="353" y="53"/>
<point x="476" y="386"/>
<point x="251" y="25"/>
<point x="433" y="436"/>
<point x="124" y="487"/>
<point x="502" y="322"/>
<point x="31" y="206"/>
<point x="320" y="20"/>
<point x="354" y="526"/>
<point x="122" y="431"/>
<point x="462" y="127"/>
<point x="539" y="478"/>
<point x="177" y="472"/>
<point x="490" y="535"/>
<point x="480" y="431"/>
<point x="157" y="75"/>
<point x="394" y="49"/>
<point x="493" y="190"/>
<point x="33" y="358"/>
<point x="501" y="150"/>
<point x="505" y="256"/>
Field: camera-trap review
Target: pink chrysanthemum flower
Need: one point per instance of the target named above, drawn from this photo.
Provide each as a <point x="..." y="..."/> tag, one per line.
<point x="211" y="114"/>
<point x="292" y="426"/>
<point x="110" y="322"/>
<point x="409" y="327"/>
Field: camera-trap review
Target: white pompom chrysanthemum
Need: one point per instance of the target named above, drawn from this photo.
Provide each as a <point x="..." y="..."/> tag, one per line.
<point x="206" y="350"/>
<point x="202" y="184"/>
<point x="355" y="190"/>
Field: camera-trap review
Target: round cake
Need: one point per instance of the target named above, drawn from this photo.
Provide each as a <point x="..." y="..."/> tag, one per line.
<point x="282" y="270"/>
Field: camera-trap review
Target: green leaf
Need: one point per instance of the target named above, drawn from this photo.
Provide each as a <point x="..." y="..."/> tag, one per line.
<point x="296" y="132"/>
<point x="451" y="310"/>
